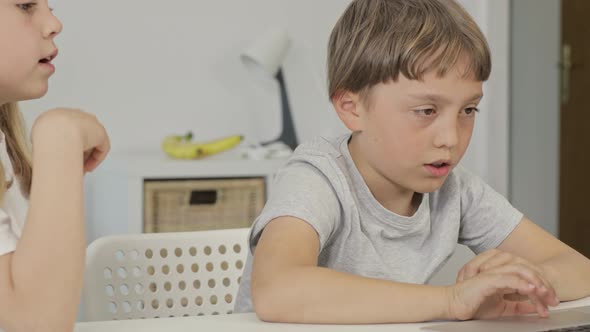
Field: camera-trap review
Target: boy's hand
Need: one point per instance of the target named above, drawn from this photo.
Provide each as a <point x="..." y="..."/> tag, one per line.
<point x="484" y="297"/>
<point x="496" y="261"/>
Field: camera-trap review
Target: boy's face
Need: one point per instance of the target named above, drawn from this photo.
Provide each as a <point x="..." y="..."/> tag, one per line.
<point x="411" y="133"/>
<point x="27" y="30"/>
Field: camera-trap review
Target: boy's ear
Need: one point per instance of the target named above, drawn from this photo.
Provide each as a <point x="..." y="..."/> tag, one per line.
<point x="348" y="107"/>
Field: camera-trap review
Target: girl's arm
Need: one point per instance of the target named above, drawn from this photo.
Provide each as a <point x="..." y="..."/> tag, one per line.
<point x="41" y="281"/>
<point x="288" y="286"/>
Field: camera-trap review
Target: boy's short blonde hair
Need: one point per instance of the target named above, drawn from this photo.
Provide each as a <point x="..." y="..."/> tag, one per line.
<point x="376" y="40"/>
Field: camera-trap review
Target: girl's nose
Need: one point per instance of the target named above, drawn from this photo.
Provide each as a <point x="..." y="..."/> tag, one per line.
<point x="52" y="27"/>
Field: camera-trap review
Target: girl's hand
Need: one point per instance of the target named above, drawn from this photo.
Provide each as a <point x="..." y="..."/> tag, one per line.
<point x="86" y="128"/>
<point x="484" y="297"/>
<point x="497" y="261"/>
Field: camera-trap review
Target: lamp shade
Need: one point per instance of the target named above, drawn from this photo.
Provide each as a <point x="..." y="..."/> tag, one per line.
<point x="267" y="52"/>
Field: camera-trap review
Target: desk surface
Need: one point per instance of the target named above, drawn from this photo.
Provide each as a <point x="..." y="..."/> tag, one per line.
<point x="248" y="322"/>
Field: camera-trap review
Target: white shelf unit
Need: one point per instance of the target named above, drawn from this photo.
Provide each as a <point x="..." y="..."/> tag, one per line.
<point x="114" y="193"/>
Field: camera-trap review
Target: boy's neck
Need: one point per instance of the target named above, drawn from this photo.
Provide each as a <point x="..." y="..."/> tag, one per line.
<point x="390" y="195"/>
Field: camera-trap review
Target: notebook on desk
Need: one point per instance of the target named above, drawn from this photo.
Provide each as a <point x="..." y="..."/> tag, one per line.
<point x="574" y="319"/>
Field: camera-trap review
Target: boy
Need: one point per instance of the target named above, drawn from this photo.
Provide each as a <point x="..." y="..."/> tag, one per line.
<point x="356" y="225"/>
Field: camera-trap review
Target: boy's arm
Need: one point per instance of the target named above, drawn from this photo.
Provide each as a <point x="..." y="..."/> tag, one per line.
<point x="566" y="269"/>
<point x="288" y="286"/>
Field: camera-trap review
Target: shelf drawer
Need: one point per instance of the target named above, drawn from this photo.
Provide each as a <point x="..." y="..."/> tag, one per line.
<point x="202" y="204"/>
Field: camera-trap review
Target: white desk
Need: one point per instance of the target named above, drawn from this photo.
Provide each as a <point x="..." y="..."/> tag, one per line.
<point x="247" y="323"/>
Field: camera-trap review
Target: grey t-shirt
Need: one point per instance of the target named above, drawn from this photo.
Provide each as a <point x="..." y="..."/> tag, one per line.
<point x="321" y="185"/>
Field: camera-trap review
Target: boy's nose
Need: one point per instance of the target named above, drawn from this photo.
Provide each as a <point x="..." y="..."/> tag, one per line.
<point x="447" y="134"/>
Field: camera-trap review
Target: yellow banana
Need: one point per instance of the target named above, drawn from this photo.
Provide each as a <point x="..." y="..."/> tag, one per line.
<point x="182" y="147"/>
<point x="219" y="145"/>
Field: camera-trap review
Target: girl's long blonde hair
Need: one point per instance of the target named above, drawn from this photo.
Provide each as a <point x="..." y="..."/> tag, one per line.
<point x="12" y="125"/>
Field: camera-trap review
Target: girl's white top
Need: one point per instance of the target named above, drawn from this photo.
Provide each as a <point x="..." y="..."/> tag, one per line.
<point x="13" y="211"/>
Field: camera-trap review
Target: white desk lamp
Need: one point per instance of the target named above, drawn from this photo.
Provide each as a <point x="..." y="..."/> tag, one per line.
<point x="266" y="55"/>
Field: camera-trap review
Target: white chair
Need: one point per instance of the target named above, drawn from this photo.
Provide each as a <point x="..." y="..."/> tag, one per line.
<point x="164" y="274"/>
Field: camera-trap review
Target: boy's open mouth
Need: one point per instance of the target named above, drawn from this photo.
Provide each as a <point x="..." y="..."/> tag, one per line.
<point x="439" y="164"/>
<point x="439" y="168"/>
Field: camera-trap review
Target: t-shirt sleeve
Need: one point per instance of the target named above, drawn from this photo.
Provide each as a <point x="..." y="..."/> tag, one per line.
<point x="487" y="218"/>
<point x="8" y="239"/>
<point x="300" y="190"/>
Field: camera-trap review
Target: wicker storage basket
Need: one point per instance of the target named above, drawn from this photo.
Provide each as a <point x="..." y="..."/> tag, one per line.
<point x="204" y="204"/>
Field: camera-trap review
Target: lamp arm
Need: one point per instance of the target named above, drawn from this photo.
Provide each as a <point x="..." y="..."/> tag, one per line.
<point x="288" y="135"/>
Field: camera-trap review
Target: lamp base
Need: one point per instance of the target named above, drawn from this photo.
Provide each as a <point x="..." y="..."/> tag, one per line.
<point x="277" y="143"/>
<point x="268" y="150"/>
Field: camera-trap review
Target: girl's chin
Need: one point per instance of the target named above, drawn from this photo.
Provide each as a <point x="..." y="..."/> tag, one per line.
<point x="33" y="94"/>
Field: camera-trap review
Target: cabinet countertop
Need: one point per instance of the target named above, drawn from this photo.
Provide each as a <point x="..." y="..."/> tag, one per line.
<point x="155" y="164"/>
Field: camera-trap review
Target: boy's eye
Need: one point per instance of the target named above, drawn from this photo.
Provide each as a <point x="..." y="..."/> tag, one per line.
<point x="26" y="6"/>
<point x="425" y="112"/>
<point x="471" y="110"/>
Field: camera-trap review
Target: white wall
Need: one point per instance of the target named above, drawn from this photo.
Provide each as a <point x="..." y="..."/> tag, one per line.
<point x="535" y="119"/>
<point x="488" y="152"/>
<point x="152" y="68"/>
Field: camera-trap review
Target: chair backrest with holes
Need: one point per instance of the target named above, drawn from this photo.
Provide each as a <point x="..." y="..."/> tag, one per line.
<point x="164" y="274"/>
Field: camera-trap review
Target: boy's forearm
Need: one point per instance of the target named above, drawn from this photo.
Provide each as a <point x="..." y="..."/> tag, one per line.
<point x="320" y="295"/>
<point x="569" y="273"/>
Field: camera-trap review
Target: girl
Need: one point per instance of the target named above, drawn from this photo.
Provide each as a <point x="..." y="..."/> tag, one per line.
<point x="42" y="241"/>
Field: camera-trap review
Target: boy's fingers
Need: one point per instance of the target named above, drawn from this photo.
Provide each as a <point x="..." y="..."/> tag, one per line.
<point x="541" y="308"/>
<point x="530" y="271"/>
<point x="509" y="284"/>
<point x="500" y="259"/>
<point x="543" y="291"/>
<point x="524" y="272"/>
<point x="472" y="268"/>
<point x="494" y="259"/>
<point x="516" y="297"/>
<point x="548" y="295"/>
<point x="543" y="294"/>
<point x="524" y="308"/>
<point x="460" y="274"/>
<point x="513" y="284"/>
<point x="519" y="308"/>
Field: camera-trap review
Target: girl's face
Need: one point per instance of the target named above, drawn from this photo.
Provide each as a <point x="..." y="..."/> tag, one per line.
<point x="27" y="30"/>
